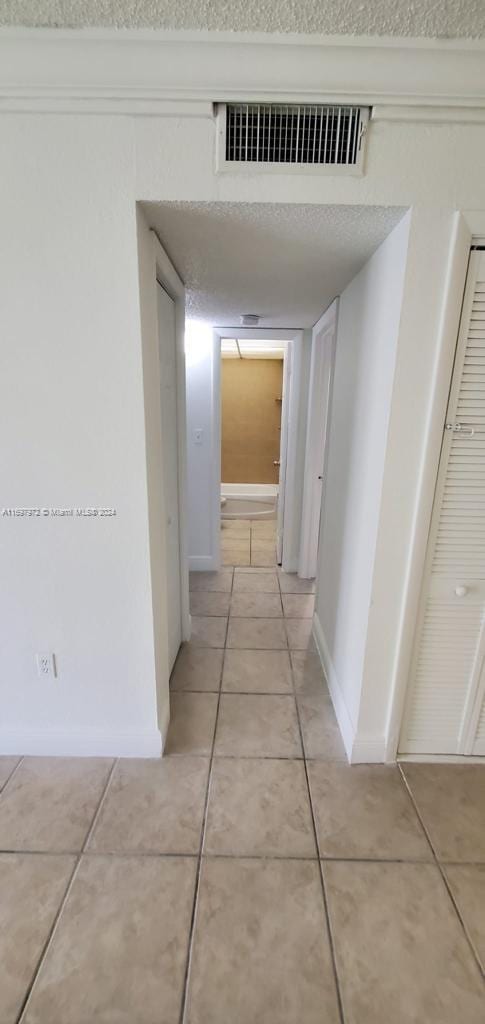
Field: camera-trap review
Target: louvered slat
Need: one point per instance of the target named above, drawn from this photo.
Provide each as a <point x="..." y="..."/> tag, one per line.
<point x="445" y="688"/>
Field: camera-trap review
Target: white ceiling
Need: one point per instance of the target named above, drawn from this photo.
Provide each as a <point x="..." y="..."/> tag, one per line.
<point x="446" y="18"/>
<point x="253" y="348"/>
<point x="284" y="262"/>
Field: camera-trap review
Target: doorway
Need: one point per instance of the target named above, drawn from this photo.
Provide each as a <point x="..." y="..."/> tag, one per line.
<point x="167" y="350"/>
<point x="251" y="375"/>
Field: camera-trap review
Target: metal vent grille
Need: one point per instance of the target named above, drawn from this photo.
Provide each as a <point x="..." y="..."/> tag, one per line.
<point x="304" y="135"/>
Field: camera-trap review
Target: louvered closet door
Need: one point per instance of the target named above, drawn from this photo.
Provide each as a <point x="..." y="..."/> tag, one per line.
<point x="445" y="710"/>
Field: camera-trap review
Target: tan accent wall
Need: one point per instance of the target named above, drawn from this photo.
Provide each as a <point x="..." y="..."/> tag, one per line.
<point x="251" y="420"/>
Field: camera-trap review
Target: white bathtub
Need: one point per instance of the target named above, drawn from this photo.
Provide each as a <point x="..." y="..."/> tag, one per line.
<point x="249" y="501"/>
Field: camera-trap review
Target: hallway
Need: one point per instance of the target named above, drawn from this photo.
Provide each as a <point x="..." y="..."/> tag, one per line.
<point x="251" y="874"/>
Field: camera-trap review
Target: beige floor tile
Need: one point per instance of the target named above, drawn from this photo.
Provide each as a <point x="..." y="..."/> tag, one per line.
<point x="261" y="950"/>
<point x="192" y="723"/>
<point x="300" y="637"/>
<point x="290" y="583"/>
<point x="153" y="806"/>
<point x="451" y="802"/>
<point x="253" y="725"/>
<point x="209" y="602"/>
<point x="256" y="605"/>
<point x="257" y="634"/>
<point x="197" y="668"/>
<point x="235" y="526"/>
<point x="119" y="953"/>
<point x="213" y="581"/>
<point x="401" y="953"/>
<point x="257" y="672"/>
<point x="236" y="555"/>
<point x="253" y="570"/>
<point x="467" y="883"/>
<point x="260" y="808"/>
<point x="364" y="811"/>
<point x="50" y="802"/>
<point x="308" y="673"/>
<point x="259" y="582"/>
<point x="264" y="540"/>
<point x="7" y="765"/>
<point x="263" y="554"/>
<point x="264" y="537"/>
<point x="321" y="734"/>
<point x="208" y="631"/>
<point x="298" y="606"/>
<point x="235" y="540"/>
<point x="263" y="527"/>
<point x="31" y="890"/>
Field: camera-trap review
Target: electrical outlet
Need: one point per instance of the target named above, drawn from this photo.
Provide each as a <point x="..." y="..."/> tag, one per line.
<point x="46" y="665"/>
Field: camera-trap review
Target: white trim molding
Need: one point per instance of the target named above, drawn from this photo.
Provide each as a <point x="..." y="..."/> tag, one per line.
<point x="82" y="743"/>
<point x="158" y="72"/>
<point x="324" y="338"/>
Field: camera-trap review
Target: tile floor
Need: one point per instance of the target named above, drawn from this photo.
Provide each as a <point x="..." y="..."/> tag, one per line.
<point x="250" y="876"/>
<point x="248" y="542"/>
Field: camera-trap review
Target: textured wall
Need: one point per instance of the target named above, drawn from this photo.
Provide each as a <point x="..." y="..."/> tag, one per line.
<point x="453" y="18"/>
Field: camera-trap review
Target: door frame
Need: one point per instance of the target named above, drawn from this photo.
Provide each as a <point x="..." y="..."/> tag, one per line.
<point x="290" y="410"/>
<point x="167" y="277"/>
<point x="316" y="448"/>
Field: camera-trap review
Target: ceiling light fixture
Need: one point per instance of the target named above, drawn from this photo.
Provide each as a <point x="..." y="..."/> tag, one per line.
<point x="250" y="319"/>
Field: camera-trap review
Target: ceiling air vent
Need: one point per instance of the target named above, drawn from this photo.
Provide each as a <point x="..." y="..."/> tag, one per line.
<point x="275" y="136"/>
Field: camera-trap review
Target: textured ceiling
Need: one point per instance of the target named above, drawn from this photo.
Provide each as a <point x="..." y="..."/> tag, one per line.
<point x="286" y="263"/>
<point x="443" y="18"/>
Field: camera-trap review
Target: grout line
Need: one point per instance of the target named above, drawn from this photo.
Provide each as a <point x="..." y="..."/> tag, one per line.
<point x="70" y="883"/>
<point x="100" y="806"/>
<point x="12" y="773"/>
<point x="442" y="872"/>
<point x="176" y="855"/>
<point x="320" y="870"/>
<point x="188" y="964"/>
<point x="243" y="693"/>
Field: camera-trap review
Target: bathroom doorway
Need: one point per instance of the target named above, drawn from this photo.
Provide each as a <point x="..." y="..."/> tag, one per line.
<point x="253" y="432"/>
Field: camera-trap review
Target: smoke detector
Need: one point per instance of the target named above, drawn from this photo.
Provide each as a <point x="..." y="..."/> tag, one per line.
<point x="250" y="320"/>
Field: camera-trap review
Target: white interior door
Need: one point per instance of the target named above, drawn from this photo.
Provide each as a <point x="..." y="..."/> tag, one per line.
<point x="283" y="453"/>
<point x="321" y="375"/>
<point x="168" y="396"/>
<point x="445" y="709"/>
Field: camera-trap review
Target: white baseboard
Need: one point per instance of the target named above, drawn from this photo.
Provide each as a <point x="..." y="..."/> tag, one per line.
<point x="343" y="718"/>
<point x="139" y="743"/>
<point x="250" y="492"/>
<point x="360" y="749"/>
<point x="202" y="563"/>
<point x="369" y="749"/>
<point x="441" y="758"/>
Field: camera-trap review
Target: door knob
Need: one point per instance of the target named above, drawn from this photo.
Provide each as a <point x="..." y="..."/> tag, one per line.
<point x="276" y="462"/>
<point x="461" y="591"/>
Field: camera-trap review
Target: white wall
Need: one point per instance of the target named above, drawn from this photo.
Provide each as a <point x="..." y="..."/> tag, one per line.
<point x="73" y="436"/>
<point x="368" y="324"/>
<point x="71" y="402"/>
<point x="204" y="457"/>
